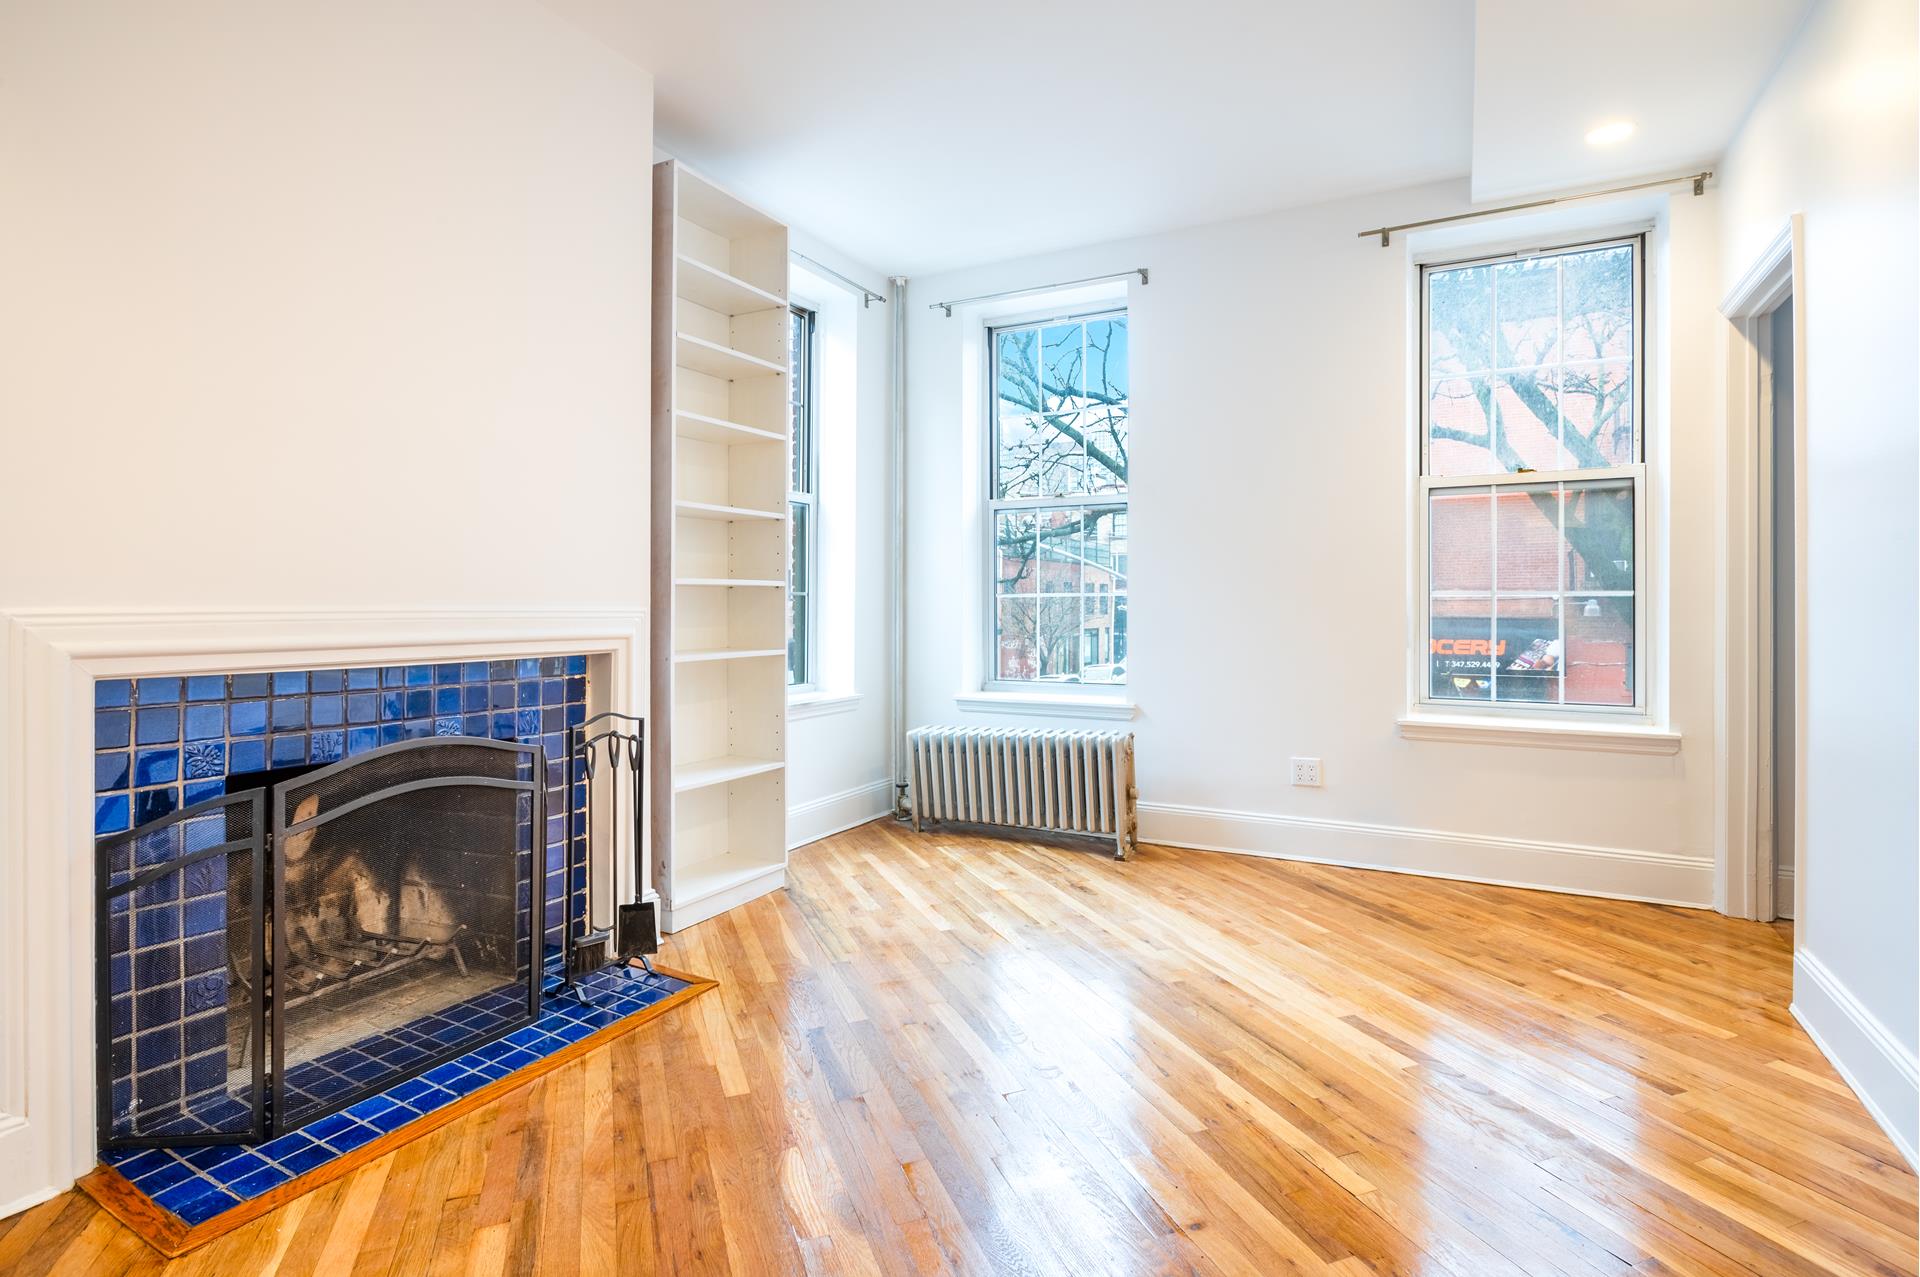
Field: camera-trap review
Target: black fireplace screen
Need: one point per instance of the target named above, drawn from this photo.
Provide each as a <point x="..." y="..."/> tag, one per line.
<point x="402" y="916"/>
<point x="180" y="935"/>
<point x="387" y="925"/>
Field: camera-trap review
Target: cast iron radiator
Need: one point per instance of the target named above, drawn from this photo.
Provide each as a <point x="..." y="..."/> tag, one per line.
<point x="1071" y="782"/>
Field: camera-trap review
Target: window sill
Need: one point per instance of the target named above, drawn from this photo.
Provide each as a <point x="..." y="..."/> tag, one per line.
<point x="1557" y="734"/>
<point x="819" y="704"/>
<point x="1113" y="707"/>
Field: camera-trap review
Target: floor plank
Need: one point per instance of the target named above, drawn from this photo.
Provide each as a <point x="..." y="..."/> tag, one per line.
<point x="951" y="1053"/>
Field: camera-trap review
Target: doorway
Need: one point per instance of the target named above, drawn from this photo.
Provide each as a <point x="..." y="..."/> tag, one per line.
<point x="1780" y="743"/>
<point x="1760" y="771"/>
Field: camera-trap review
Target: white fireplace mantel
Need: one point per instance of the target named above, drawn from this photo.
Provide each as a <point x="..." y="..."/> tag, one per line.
<point x="48" y="663"/>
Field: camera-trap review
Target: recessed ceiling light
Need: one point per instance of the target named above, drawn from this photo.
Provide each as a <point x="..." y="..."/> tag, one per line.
<point x="1611" y="132"/>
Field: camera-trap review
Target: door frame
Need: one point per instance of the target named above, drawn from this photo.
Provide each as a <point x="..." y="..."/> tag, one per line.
<point x="1745" y="857"/>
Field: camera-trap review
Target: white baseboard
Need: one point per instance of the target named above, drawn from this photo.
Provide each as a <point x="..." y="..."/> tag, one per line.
<point x="711" y="904"/>
<point x="811" y="821"/>
<point x="9" y="1209"/>
<point x="1867" y="1056"/>
<point x="1615" y="872"/>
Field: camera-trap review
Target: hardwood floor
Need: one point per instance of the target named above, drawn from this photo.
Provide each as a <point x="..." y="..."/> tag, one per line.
<point x="951" y="1053"/>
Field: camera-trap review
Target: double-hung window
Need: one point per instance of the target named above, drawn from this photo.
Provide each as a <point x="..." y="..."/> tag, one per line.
<point x="802" y="505"/>
<point x="1057" y="503"/>
<point x="1533" y="480"/>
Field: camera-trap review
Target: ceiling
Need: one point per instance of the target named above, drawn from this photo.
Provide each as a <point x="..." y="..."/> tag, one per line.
<point x="918" y="137"/>
<point x="1683" y="71"/>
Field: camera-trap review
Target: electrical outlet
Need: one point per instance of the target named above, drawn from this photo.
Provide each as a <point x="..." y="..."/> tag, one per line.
<point x="1306" y="771"/>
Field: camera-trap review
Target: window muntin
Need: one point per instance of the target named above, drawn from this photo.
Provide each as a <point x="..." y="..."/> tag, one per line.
<point x="1057" y="502"/>
<point x="802" y="506"/>
<point x="1533" y="480"/>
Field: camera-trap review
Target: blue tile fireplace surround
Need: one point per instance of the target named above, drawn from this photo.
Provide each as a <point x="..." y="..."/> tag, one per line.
<point x="165" y="744"/>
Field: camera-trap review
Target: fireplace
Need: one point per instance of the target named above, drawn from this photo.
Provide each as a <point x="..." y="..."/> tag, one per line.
<point x="270" y="955"/>
<point x="137" y="714"/>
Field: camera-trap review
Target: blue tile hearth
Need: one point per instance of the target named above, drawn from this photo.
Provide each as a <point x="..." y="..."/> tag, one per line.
<point x="197" y="1184"/>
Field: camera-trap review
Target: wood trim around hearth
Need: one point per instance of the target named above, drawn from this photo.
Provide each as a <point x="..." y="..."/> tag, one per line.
<point x="173" y="1238"/>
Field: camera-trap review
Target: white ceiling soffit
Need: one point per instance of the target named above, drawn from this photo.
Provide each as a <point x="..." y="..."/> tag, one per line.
<point x="918" y="137"/>
<point x="1683" y="72"/>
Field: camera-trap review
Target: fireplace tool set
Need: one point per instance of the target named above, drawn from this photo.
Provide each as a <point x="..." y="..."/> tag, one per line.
<point x="605" y="757"/>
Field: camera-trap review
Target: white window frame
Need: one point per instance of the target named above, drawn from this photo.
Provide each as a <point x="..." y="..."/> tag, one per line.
<point x="996" y="505"/>
<point x="806" y="563"/>
<point x="1638" y="473"/>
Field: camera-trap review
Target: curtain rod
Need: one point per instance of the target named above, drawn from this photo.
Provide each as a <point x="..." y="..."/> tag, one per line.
<point x="1141" y="271"/>
<point x="1385" y="233"/>
<point x="867" y="295"/>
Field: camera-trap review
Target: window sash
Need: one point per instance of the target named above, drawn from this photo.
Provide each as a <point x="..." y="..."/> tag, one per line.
<point x="1564" y="593"/>
<point x="800" y="635"/>
<point x="802" y="468"/>
<point x="1426" y="379"/>
<point x="804" y="533"/>
<point x="1427" y="484"/>
<point x="1094" y="604"/>
<point x="992" y="401"/>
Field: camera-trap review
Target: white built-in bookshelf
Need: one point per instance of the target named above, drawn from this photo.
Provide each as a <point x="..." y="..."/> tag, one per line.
<point x="721" y="423"/>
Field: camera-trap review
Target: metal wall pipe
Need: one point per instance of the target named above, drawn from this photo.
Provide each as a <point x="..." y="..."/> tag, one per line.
<point x="897" y="735"/>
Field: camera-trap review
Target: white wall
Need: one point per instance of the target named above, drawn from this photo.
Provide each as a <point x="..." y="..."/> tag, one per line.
<point x="340" y="304"/>
<point x="1269" y="541"/>
<point x="337" y="306"/>
<point x="1833" y="138"/>
<point x="838" y="758"/>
